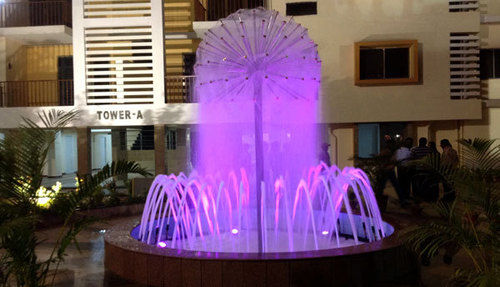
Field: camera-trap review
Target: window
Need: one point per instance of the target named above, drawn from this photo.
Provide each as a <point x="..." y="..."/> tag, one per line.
<point x="388" y="62"/>
<point x="490" y="64"/>
<point x="301" y="8"/>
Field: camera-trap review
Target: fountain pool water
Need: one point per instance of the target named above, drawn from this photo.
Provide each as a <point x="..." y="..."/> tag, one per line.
<point x="259" y="186"/>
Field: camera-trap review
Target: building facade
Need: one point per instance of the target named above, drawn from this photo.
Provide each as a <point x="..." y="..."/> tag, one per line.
<point x="127" y="66"/>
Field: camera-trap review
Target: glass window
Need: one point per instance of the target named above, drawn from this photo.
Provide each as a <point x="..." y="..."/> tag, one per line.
<point x="386" y="63"/>
<point x="368" y="140"/>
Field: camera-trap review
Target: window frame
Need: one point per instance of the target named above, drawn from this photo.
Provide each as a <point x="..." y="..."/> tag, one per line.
<point x="413" y="72"/>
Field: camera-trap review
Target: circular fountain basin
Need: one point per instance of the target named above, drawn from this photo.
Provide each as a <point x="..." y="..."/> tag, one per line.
<point x="380" y="262"/>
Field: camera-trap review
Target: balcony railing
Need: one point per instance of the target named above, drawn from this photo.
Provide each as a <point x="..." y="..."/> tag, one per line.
<point x="40" y="13"/>
<point x="36" y="93"/>
<point x="179" y="89"/>
<point x="217" y="9"/>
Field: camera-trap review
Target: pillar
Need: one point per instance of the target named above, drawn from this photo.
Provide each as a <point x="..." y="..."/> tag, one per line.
<point x="160" y="149"/>
<point x="118" y="144"/>
<point x="83" y="147"/>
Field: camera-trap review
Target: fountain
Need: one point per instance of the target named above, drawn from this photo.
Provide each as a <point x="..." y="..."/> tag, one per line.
<point x="258" y="193"/>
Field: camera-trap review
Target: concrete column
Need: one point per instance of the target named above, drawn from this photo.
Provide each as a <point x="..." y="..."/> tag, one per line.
<point x="158" y="42"/>
<point x="160" y="150"/>
<point x="119" y="146"/>
<point x="118" y="143"/>
<point x="83" y="146"/>
<point x="79" y="78"/>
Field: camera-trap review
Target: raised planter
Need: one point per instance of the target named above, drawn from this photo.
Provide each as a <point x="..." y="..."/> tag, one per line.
<point x="50" y="220"/>
<point x="115" y="211"/>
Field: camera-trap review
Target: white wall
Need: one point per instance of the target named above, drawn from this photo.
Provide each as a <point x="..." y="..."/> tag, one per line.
<point x="339" y="24"/>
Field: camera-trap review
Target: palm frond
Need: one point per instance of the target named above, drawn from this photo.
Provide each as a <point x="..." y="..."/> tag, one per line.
<point x="481" y="154"/>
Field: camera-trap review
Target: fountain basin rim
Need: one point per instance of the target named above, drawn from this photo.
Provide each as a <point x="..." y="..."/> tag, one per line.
<point x="119" y="237"/>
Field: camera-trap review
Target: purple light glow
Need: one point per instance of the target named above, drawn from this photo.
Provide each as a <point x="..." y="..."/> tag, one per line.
<point x="256" y="154"/>
<point x="162" y="244"/>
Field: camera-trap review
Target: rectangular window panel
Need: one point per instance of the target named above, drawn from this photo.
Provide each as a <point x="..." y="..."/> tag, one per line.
<point x="496" y="63"/>
<point x="301" y="8"/>
<point x="486" y="59"/>
<point x="371" y="64"/>
<point x="386" y="63"/>
<point x="368" y="140"/>
<point x="397" y="63"/>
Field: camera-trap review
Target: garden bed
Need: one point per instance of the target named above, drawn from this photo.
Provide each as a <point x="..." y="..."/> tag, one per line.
<point x="50" y="220"/>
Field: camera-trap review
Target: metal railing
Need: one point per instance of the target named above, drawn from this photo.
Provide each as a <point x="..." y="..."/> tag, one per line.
<point x="179" y="89"/>
<point x="39" y="13"/>
<point x="36" y="93"/>
<point x="217" y="9"/>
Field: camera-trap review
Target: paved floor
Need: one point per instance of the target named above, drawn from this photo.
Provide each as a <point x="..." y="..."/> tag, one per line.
<point x="87" y="266"/>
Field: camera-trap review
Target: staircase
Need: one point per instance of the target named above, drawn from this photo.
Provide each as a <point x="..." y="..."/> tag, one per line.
<point x="144" y="138"/>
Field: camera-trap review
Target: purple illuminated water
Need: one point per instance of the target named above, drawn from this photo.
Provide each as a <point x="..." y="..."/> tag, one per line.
<point x="216" y="214"/>
<point x="258" y="184"/>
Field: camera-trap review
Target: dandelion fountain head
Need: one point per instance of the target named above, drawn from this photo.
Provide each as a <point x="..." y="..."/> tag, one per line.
<point x="258" y="186"/>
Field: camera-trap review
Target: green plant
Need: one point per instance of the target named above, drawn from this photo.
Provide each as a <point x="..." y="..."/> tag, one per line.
<point x="374" y="168"/>
<point x="105" y="180"/>
<point x="469" y="223"/>
<point x="23" y="154"/>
